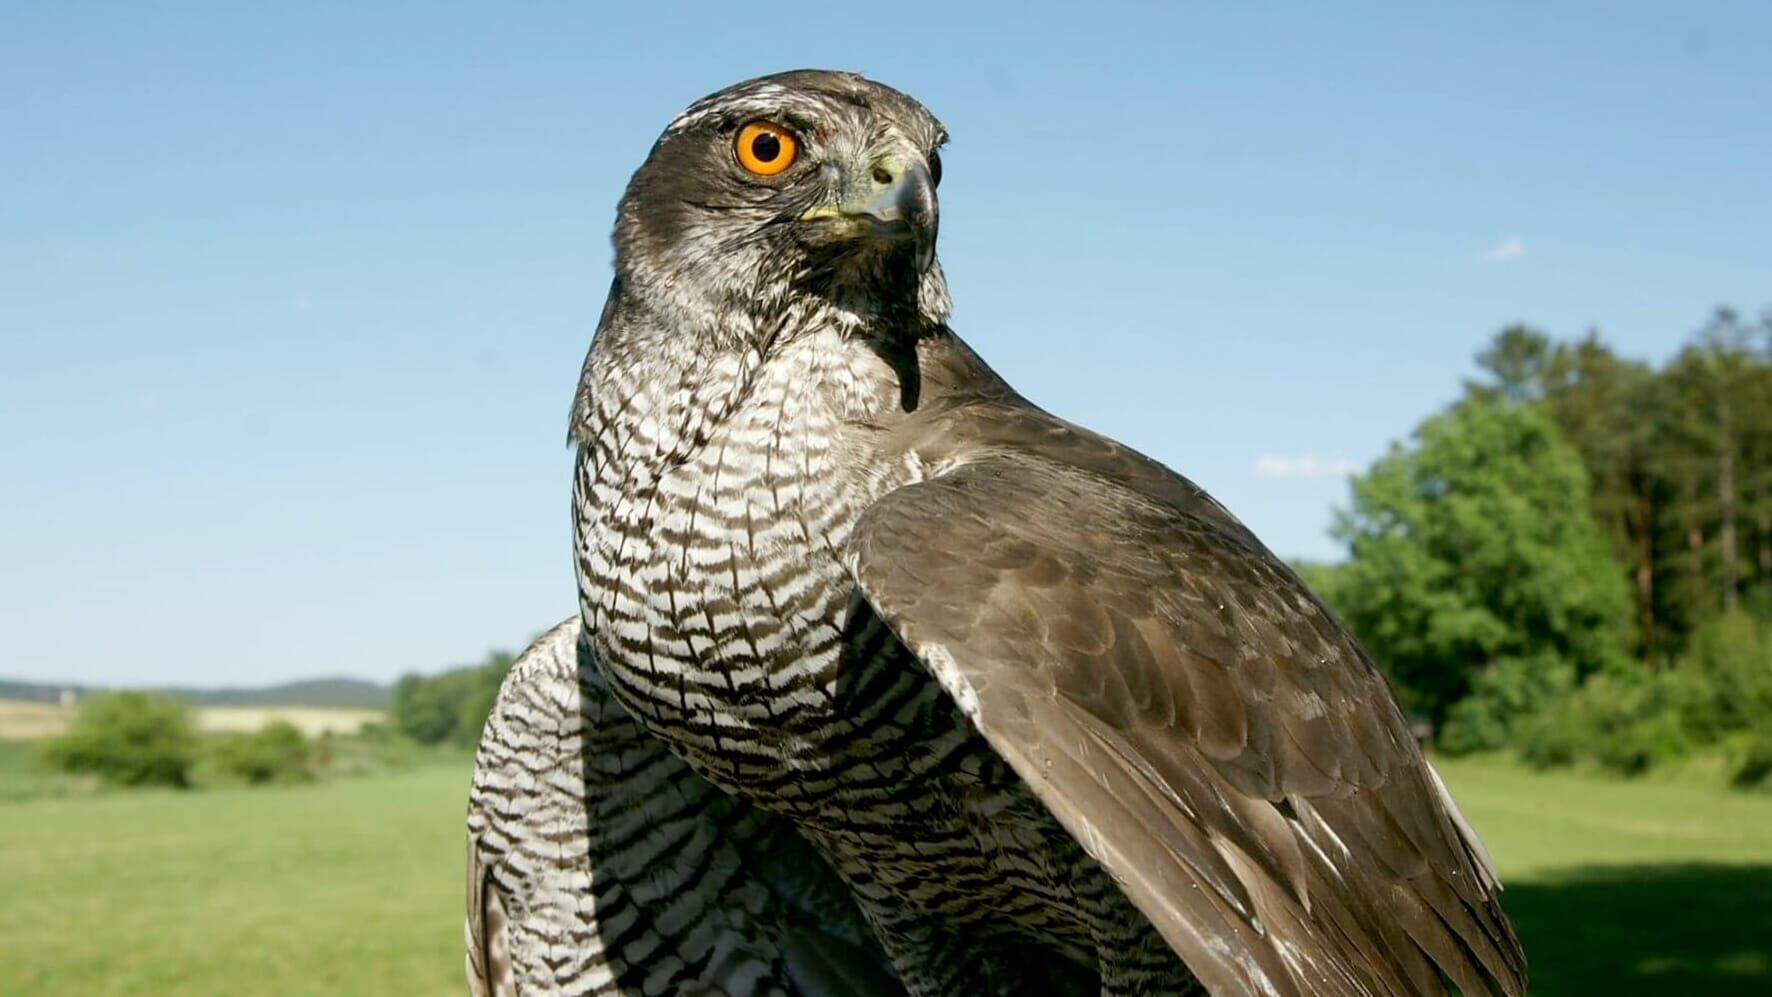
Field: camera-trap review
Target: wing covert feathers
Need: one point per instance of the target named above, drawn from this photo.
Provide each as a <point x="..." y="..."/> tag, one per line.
<point x="1185" y="707"/>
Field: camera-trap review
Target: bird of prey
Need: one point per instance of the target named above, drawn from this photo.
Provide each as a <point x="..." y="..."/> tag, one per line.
<point x="1055" y="718"/>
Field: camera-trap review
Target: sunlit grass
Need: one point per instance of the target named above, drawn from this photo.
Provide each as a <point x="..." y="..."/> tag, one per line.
<point x="1628" y="887"/>
<point x="354" y="885"/>
<point x="346" y="887"/>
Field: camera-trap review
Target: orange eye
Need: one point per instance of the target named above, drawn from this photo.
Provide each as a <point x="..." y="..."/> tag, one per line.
<point x="766" y="149"/>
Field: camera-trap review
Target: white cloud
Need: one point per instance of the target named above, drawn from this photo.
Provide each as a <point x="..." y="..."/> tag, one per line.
<point x="1303" y="466"/>
<point x="1506" y="251"/>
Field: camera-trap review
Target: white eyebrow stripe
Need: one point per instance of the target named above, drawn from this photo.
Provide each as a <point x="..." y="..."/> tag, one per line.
<point x="796" y="105"/>
<point x="763" y="98"/>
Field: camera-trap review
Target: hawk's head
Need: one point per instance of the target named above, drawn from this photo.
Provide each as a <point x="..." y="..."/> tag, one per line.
<point x="799" y="193"/>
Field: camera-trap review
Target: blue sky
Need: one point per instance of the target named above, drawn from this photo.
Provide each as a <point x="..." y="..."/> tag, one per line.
<point x="293" y="297"/>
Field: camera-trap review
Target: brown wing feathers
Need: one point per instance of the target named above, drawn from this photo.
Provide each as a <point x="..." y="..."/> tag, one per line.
<point x="1187" y="709"/>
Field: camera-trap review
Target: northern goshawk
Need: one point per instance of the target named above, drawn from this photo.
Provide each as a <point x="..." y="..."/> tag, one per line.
<point x="1055" y="719"/>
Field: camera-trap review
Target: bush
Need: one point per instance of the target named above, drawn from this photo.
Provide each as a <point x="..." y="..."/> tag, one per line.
<point x="1556" y="737"/>
<point x="1629" y="721"/>
<point x="1727" y="678"/>
<point x="277" y="753"/>
<point x="1625" y="722"/>
<point x="1505" y="696"/>
<point x="1755" y="767"/>
<point x="129" y="738"/>
<point x="374" y="748"/>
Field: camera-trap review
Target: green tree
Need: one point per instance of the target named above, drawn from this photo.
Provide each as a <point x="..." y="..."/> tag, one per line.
<point x="1473" y="547"/>
<point x="1521" y="362"/>
<point x="1711" y="420"/>
<point x="129" y="738"/>
<point x="1600" y="403"/>
<point x="476" y="702"/>
<point x="1597" y="400"/>
<point x="425" y="708"/>
<point x="450" y="707"/>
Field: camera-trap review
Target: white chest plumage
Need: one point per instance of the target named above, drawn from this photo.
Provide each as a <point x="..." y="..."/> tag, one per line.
<point x="709" y="553"/>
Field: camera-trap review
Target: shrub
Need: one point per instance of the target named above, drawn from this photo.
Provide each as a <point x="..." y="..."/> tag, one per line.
<point x="129" y="738"/>
<point x="1626" y="722"/>
<point x="1755" y="767"/>
<point x="1637" y="724"/>
<point x="1727" y="678"/>
<point x="277" y="753"/>
<point x="1504" y="697"/>
<point x="1555" y="737"/>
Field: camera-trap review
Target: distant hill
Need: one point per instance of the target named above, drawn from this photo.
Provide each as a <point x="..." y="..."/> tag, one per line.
<point x="36" y="692"/>
<point x="329" y="692"/>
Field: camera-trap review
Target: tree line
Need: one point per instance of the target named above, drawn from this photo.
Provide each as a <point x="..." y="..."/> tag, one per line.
<point x="449" y="707"/>
<point x="1574" y="558"/>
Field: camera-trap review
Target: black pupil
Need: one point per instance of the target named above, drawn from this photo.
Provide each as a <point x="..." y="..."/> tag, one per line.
<point x="766" y="147"/>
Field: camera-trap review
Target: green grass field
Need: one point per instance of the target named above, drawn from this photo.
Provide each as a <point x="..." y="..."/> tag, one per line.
<point x="1628" y="887"/>
<point x="354" y="886"/>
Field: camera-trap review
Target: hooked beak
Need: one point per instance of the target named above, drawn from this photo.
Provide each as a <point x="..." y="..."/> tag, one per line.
<point x="898" y="204"/>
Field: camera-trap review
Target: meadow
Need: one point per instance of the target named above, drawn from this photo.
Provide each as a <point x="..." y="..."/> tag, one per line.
<point x="354" y="885"/>
<point x="348" y="886"/>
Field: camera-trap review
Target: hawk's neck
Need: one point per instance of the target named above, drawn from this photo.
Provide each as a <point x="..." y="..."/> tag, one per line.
<point x="651" y="397"/>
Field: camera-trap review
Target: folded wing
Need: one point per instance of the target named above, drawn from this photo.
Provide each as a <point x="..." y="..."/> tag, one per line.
<point x="1205" y="727"/>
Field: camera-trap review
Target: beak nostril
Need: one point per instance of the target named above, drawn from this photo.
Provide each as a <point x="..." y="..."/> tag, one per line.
<point x="882" y="175"/>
